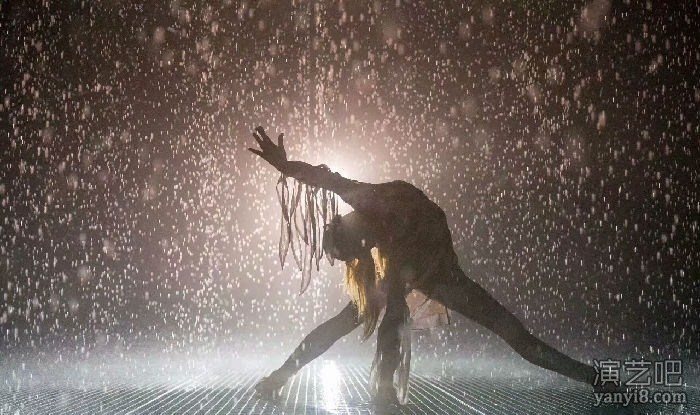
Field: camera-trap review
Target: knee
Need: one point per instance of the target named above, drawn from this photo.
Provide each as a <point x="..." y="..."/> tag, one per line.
<point x="523" y="342"/>
<point x="513" y="332"/>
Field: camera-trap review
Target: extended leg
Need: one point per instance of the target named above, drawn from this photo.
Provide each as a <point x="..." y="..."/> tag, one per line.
<point x="314" y="344"/>
<point x="471" y="300"/>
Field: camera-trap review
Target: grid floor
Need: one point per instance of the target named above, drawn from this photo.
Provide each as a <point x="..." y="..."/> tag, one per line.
<point x="325" y="387"/>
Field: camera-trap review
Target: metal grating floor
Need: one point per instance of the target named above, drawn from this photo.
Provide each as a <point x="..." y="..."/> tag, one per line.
<point x="324" y="387"/>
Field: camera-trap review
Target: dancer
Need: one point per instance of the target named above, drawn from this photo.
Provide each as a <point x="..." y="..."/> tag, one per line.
<point x="394" y="242"/>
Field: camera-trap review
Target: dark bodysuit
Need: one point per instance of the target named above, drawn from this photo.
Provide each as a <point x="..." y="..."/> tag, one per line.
<point x="412" y="232"/>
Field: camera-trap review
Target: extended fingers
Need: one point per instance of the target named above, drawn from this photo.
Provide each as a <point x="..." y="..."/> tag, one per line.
<point x="280" y="140"/>
<point x="254" y="151"/>
<point x="258" y="139"/>
<point x="262" y="134"/>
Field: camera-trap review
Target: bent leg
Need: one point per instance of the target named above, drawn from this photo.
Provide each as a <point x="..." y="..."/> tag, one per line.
<point x="314" y="344"/>
<point x="471" y="300"/>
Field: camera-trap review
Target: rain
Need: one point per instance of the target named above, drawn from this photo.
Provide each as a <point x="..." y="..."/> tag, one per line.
<point x="139" y="237"/>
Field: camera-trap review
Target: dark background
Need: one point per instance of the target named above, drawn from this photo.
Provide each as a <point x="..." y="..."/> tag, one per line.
<point x="562" y="141"/>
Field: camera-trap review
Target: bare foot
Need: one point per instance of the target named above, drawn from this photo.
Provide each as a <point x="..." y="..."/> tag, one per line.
<point x="386" y="397"/>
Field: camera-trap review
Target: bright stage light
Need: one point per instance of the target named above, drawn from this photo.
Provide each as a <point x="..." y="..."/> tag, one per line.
<point x="331" y="377"/>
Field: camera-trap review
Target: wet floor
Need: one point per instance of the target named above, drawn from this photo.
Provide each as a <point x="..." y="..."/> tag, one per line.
<point x="325" y="387"/>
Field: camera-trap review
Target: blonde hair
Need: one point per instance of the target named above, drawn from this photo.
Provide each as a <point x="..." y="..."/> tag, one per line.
<point x="362" y="279"/>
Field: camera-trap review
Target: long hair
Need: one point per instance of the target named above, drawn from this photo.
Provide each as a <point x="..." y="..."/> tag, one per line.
<point x="363" y="277"/>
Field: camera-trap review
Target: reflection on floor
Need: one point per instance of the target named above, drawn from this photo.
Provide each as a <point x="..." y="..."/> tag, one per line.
<point x="326" y="387"/>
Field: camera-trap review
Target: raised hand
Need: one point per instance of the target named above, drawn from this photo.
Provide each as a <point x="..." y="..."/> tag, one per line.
<point x="269" y="151"/>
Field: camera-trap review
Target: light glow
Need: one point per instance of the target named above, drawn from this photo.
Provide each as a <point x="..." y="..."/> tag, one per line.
<point x="331" y="377"/>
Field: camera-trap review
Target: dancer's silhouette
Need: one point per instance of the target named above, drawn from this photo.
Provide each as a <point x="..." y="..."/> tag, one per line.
<point x="397" y="225"/>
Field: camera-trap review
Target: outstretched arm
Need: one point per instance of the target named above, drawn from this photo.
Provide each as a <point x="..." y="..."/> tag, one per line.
<point x="318" y="176"/>
<point x="318" y="341"/>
